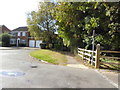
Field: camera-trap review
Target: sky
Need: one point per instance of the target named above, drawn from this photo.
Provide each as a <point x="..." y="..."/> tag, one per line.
<point x="13" y="13"/>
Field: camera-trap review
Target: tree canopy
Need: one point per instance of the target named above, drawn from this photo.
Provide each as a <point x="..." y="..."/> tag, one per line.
<point x="41" y="24"/>
<point x="76" y="22"/>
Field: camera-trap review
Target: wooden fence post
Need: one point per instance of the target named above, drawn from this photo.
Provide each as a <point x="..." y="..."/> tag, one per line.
<point x="83" y="55"/>
<point x="97" y="59"/>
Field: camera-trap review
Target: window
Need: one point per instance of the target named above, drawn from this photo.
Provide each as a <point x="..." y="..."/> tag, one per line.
<point x="13" y="33"/>
<point x="12" y="41"/>
<point x="18" y="33"/>
<point x="23" y="34"/>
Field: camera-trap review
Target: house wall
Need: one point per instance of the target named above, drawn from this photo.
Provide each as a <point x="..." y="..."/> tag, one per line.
<point x="21" y="37"/>
<point x="27" y="37"/>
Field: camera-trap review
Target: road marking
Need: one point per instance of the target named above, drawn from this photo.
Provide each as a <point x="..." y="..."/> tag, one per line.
<point x="110" y="81"/>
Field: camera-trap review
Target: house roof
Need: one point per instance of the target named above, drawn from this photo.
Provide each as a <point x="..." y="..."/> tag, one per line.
<point x="21" y="29"/>
<point x="3" y="27"/>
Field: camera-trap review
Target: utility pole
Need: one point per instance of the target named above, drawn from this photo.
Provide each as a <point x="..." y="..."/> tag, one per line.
<point x="93" y="44"/>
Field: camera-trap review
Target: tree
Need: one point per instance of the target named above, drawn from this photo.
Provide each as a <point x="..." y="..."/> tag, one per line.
<point x="5" y="39"/>
<point x="77" y="20"/>
<point x="41" y="24"/>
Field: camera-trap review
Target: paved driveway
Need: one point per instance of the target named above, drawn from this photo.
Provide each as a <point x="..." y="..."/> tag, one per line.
<point x="46" y="75"/>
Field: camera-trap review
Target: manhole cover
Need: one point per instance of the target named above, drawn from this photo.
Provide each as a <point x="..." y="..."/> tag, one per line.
<point x="11" y="73"/>
<point x="33" y="66"/>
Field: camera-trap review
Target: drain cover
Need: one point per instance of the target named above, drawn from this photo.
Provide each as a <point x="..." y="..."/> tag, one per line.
<point x="11" y="73"/>
<point x="33" y="66"/>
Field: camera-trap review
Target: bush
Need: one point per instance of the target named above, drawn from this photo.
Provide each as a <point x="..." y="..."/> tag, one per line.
<point x="22" y="45"/>
<point x="5" y="39"/>
<point x="57" y="47"/>
<point x="50" y="46"/>
<point x="13" y="45"/>
<point x="43" y="45"/>
<point x="0" y="43"/>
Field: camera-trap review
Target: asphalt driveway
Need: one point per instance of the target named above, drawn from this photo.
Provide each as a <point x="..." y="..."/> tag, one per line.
<point x="45" y="75"/>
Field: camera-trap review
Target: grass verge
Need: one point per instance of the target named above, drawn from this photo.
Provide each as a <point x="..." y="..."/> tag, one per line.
<point x="49" y="56"/>
<point x="114" y="66"/>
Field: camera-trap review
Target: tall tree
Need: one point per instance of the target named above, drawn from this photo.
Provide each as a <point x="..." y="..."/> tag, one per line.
<point x="77" y="20"/>
<point x="41" y="24"/>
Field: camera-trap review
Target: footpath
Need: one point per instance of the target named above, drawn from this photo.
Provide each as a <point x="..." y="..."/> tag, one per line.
<point x="74" y="63"/>
<point x="111" y="76"/>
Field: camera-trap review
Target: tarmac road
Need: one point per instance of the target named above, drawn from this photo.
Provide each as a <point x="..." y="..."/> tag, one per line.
<point x="45" y="75"/>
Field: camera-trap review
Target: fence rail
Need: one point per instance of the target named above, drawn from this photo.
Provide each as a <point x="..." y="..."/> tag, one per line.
<point x="115" y="61"/>
<point x="106" y="51"/>
<point x="108" y="57"/>
<point x="94" y="57"/>
<point x="87" y="55"/>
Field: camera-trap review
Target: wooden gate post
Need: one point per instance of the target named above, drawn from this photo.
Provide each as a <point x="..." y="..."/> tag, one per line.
<point x="83" y="55"/>
<point x="97" y="59"/>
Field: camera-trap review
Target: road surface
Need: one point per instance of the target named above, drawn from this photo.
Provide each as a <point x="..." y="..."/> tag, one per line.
<point x="45" y="75"/>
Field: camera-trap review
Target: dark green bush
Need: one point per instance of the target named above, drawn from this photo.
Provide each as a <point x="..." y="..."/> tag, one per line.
<point x="57" y="47"/>
<point x="22" y="45"/>
<point x="0" y="43"/>
<point x="50" y="46"/>
<point x="5" y="39"/>
<point x="43" y="45"/>
<point x="12" y="45"/>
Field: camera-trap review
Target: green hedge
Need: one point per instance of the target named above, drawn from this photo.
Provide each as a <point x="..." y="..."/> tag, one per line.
<point x="5" y="40"/>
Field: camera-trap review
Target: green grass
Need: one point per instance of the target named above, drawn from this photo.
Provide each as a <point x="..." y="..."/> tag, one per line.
<point x="49" y="56"/>
<point x="111" y="66"/>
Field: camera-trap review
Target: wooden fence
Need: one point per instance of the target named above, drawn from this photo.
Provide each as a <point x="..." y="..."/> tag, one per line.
<point x="111" y="61"/>
<point x="94" y="57"/>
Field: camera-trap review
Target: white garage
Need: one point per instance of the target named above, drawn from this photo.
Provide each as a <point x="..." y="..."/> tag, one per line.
<point x="31" y="43"/>
<point x="35" y="43"/>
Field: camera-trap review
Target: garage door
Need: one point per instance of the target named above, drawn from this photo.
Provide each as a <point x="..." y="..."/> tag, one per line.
<point x="31" y="43"/>
<point x="38" y="43"/>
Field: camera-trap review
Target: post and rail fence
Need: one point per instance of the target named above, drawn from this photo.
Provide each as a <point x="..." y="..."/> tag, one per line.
<point x="94" y="57"/>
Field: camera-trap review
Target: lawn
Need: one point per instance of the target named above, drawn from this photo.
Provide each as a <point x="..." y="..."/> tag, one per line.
<point x="50" y="56"/>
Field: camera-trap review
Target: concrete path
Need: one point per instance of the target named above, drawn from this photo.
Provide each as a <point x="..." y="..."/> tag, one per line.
<point x="73" y="63"/>
<point x="46" y="75"/>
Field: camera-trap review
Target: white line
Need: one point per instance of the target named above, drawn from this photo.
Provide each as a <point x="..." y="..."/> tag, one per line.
<point x="114" y="84"/>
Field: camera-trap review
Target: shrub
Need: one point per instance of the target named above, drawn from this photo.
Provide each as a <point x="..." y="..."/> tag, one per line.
<point x="22" y="45"/>
<point x="5" y="39"/>
<point x="43" y="45"/>
<point x="50" y="46"/>
<point x="13" y="45"/>
<point x="57" y="47"/>
<point x="0" y="43"/>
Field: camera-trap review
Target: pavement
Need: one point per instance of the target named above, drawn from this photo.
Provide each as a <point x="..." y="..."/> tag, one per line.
<point x="71" y="62"/>
<point x="40" y="75"/>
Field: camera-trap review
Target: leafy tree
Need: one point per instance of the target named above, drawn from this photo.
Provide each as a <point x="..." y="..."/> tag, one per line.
<point x="77" y="20"/>
<point x="41" y="24"/>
